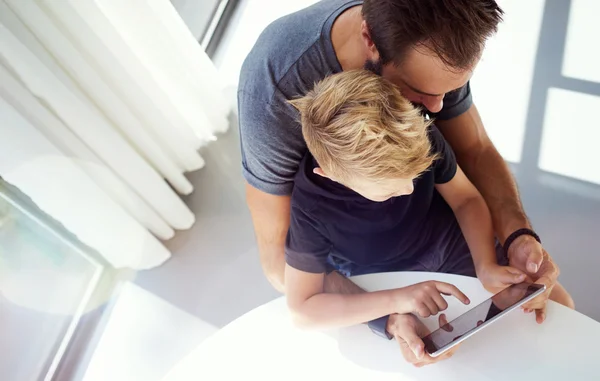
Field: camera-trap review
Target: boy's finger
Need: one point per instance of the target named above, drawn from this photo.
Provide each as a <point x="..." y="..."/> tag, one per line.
<point x="447" y="288"/>
<point x="423" y="310"/>
<point x="431" y="306"/>
<point x="440" y="301"/>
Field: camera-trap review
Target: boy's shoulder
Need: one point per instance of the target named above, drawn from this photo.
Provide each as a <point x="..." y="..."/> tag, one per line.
<point x="445" y="167"/>
<point x="436" y="138"/>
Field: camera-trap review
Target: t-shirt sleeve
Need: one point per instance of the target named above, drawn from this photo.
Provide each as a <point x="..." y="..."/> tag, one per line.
<point x="455" y="103"/>
<point x="444" y="168"/>
<point x="306" y="246"/>
<point x="271" y="143"/>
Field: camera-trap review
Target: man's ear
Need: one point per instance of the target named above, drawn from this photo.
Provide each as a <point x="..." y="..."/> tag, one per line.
<point x="372" y="52"/>
<point x="320" y="172"/>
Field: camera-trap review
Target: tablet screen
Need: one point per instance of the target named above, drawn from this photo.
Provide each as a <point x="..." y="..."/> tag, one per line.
<point x="478" y="315"/>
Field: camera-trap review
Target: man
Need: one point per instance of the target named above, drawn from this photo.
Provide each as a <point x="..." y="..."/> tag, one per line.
<point x="429" y="49"/>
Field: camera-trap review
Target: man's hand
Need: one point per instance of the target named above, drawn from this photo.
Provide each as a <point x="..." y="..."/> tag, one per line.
<point x="408" y="331"/>
<point x="496" y="278"/>
<point x="526" y="254"/>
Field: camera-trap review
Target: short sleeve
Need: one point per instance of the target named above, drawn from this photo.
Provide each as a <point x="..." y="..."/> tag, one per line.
<point x="306" y="246"/>
<point x="271" y="143"/>
<point x="455" y="103"/>
<point x="445" y="167"/>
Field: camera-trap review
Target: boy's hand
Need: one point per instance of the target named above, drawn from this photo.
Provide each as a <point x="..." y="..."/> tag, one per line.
<point x="496" y="278"/>
<point x="425" y="298"/>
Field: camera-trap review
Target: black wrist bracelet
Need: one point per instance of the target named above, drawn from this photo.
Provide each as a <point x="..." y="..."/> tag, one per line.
<point x="516" y="234"/>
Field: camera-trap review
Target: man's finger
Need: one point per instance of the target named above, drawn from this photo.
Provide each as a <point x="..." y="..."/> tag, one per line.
<point x="443" y="320"/>
<point x="428" y="360"/>
<point x="413" y="341"/>
<point x="546" y="281"/>
<point x="514" y="270"/>
<point x="541" y="300"/>
<point x="447" y="288"/>
<point x="446" y="355"/>
<point x="536" y="303"/>
<point x="510" y="275"/>
<point x="535" y="259"/>
<point x="540" y="314"/>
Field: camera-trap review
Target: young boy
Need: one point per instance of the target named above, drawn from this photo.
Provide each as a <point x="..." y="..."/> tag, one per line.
<point x="380" y="191"/>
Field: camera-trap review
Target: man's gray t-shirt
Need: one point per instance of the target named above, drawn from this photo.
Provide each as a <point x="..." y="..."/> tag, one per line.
<point x="290" y="56"/>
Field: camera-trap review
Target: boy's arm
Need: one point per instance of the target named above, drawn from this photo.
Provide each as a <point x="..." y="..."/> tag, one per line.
<point x="312" y="308"/>
<point x="475" y="222"/>
<point x="473" y="217"/>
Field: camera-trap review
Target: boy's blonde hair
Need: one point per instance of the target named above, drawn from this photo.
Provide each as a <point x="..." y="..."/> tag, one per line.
<point x="357" y="125"/>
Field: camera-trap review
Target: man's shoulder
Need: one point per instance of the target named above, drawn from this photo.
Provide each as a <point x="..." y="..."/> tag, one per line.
<point x="289" y="43"/>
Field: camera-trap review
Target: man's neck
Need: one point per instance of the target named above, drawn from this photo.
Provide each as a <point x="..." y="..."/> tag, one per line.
<point x="347" y="41"/>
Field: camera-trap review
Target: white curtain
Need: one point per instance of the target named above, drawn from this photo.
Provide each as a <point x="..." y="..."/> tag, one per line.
<point x="101" y="101"/>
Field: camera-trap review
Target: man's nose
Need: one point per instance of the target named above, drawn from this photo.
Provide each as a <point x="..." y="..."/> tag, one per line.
<point x="433" y="104"/>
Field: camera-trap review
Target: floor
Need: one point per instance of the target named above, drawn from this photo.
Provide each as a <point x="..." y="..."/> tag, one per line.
<point x="196" y="14"/>
<point x="534" y="88"/>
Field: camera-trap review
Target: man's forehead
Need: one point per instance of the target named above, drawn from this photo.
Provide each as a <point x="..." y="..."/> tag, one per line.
<point x="428" y="75"/>
<point x="446" y="90"/>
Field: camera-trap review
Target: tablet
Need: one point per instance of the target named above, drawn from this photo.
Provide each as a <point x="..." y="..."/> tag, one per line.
<point x="479" y="317"/>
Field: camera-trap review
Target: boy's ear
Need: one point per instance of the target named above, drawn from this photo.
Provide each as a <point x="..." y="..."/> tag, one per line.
<point x="320" y="172"/>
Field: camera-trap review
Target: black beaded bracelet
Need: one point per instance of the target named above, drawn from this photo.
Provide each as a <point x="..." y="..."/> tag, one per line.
<point x="516" y="234"/>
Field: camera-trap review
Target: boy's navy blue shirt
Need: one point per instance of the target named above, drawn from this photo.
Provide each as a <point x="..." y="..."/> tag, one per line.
<point x="328" y="219"/>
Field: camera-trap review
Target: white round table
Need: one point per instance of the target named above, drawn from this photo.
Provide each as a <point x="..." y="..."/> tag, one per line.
<point x="264" y="345"/>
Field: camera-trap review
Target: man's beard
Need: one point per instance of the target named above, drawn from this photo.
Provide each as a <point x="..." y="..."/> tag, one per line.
<point x="374" y="67"/>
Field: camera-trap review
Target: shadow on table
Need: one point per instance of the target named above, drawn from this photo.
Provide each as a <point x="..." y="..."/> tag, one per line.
<point x="359" y="346"/>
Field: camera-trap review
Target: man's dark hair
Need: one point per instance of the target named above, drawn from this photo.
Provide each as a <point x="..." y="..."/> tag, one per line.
<point x="455" y="30"/>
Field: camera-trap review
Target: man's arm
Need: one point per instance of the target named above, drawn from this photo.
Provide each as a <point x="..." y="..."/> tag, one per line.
<point x="488" y="171"/>
<point x="271" y="219"/>
<point x="485" y="167"/>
